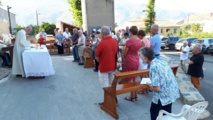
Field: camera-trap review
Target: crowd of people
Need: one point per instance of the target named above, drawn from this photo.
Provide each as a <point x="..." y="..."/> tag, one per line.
<point x="136" y="53"/>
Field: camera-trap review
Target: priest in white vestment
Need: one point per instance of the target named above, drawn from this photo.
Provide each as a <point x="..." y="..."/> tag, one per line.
<point x="20" y="45"/>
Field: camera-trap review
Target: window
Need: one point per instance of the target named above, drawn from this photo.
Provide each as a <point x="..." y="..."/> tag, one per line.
<point x="161" y="31"/>
<point x="175" y="30"/>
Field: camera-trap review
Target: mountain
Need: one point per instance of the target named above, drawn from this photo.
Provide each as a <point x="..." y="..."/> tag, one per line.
<point x="126" y="11"/>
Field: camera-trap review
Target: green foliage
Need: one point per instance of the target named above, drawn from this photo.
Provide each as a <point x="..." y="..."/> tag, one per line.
<point x="19" y="27"/>
<point x="169" y="33"/>
<point x="75" y="7"/>
<point x="150" y="19"/>
<point x="49" y="28"/>
<point x="33" y="32"/>
<point x="193" y="30"/>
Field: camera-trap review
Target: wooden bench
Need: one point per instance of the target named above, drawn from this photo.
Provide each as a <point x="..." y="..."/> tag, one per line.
<point x="88" y="57"/>
<point x="51" y="45"/>
<point x="67" y="46"/>
<point x="110" y="93"/>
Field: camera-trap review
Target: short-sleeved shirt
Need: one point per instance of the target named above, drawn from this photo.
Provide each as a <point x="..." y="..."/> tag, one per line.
<point x="81" y="40"/>
<point x="41" y="40"/>
<point x="195" y="69"/>
<point x="74" y="38"/>
<point x="162" y="76"/>
<point x="146" y="42"/>
<point x="107" y="53"/>
<point x="156" y="43"/>
<point x="66" y="35"/>
<point x="184" y="56"/>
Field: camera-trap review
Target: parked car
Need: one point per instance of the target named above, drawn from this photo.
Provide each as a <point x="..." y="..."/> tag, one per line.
<point x="169" y="42"/>
<point x="205" y="44"/>
<point x="180" y="42"/>
<point x="211" y="48"/>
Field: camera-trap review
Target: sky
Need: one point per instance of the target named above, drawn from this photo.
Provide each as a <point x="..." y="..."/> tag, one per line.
<point x="25" y="10"/>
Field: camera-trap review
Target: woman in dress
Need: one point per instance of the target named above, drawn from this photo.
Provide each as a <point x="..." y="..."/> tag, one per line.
<point x="131" y="58"/>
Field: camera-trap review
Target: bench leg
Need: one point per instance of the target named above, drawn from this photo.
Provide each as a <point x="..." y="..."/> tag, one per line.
<point x="88" y="63"/>
<point x="109" y="105"/>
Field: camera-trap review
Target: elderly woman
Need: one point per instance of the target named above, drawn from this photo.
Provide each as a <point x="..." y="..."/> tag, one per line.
<point x="81" y="46"/>
<point x="60" y="41"/>
<point x="195" y="65"/>
<point x="164" y="86"/>
<point x="131" y="58"/>
<point x="184" y="55"/>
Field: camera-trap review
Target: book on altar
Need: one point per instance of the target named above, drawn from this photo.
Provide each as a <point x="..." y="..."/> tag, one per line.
<point x="146" y="80"/>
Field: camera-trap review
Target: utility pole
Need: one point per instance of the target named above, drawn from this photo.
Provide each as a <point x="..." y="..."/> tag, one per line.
<point x="37" y="28"/>
<point x="37" y="17"/>
<point x="8" y="10"/>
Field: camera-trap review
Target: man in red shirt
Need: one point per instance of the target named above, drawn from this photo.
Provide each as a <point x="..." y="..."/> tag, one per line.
<point x="106" y="54"/>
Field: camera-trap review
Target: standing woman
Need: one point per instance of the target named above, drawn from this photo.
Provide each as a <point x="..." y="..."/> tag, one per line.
<point x="59" y="41"/>
<point x="131" y="58"/>
<point x="145" y="43"/>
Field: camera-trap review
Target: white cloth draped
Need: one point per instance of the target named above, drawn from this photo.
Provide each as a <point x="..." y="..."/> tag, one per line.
<point x="20" y="45"/>
<point x="37" y="62"/>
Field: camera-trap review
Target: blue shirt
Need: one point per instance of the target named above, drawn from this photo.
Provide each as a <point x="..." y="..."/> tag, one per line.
<point x="162" y="76"/>
<point x="156" y="43"/>
<point x="60" y="37"/>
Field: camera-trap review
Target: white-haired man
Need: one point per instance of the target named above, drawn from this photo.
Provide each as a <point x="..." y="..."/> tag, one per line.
<point x="20" y="45"/>
<point x="195" y="65"/>
<point x="184" y="54"/>
<point x="81" y="46"/>
<point x="67" y="34"/>
<point x="105" y="54"/>
<point x="155" y="40"/>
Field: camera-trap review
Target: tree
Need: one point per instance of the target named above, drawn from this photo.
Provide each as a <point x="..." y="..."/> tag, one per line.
<point x="49" y="28"/>
<point x="75" y="7"/>
<point x="19" y="27"/>
<point x="150" y="19"/>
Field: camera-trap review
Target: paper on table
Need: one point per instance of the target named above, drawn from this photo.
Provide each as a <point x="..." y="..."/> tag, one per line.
<point x="146" y="80"/>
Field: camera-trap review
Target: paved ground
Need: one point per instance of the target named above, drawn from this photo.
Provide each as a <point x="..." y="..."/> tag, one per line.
<point x="71" y="94"/>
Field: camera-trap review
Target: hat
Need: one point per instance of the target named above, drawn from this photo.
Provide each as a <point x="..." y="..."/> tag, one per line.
<point x="98" y="31"/>
<point x="94" y="30"/>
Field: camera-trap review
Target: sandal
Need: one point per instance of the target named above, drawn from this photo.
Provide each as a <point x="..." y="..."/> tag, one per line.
<point x="142" y="91"/>
<point x="130" y="99"/>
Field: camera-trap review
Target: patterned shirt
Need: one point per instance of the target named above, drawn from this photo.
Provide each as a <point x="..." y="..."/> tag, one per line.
<point x="162" y="76"/>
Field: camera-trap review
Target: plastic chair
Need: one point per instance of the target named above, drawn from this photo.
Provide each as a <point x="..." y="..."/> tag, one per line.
<point x="187" y="112"/>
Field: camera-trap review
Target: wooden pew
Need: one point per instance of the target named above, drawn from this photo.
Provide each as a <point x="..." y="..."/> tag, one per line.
<point x="67" y="46"/>
<point x="51" y="45"/>
<point x="87" y="54"/>
<point x="110" y="93"/>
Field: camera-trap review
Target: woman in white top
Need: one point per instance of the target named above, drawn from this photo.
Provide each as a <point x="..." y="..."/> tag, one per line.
<point x="184" y="55"/>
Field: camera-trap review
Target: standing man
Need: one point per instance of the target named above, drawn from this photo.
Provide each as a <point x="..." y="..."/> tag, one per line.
<point x="75" y="37"/>
<point x="67" y="34"/>
<point x="195" y="66"/>
<point x="106" y="55"/>
<point x="155" y="41"/>
<point x="81" y="46"/>
<point x="184" y="54"/>
<point x="94" y="49"/>
<point x="20" y="45"/>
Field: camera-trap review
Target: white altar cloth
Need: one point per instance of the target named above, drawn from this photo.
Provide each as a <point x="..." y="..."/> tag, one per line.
<point x="37" y="62"/>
